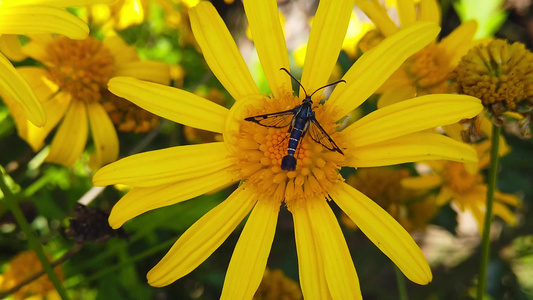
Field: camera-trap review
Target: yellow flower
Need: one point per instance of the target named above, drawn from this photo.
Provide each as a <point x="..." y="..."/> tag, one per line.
<point x="251" y="154"/>
<point x="464" y="185"/>
<point x="72" y="89"/>
<point x="118" y="15"/>
<point x="23" y="266"/>
<point x="33" y="17"/>
<point x="427" y="71"/>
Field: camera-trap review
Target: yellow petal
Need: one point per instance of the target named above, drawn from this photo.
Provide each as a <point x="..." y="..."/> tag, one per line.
<point x="55" y="111"/>
<point x="410" y="148"/>
<point x="374" y="67"/>
<point x="454" y="131"/>
<point x="429" y="10"/>
<point x="104" y="136"/>
<point x="504" y="213"/>
<point x="135" y="201"/>
<point x="406" y="12"/>
<point x="507" y="198"/>
<point x="378" y="15"/>
<point x="154" y="71"/>
<point x="12" y="84"/>
<point x="165" y="166"/>
<point x="249" y="259"/>
<point x="122" y="52"/>
<point x="54" y="108"/>
<point x="325" y="41"/>
<point x="396" y="94"/>
<point x="220" y="51"/>
<point x="424" y="182"/>
<point x="310" y="264"/>
<point x="171" y="103"/>
<point x="36" y="48"/>
<point x="202" y="238"/>
<point x="338" y="264"/>
<point x="444" y="196"/>
<point x="131" y="13"/>
<point x="38" y="19"/>
<point x="69" y="140"/>
<point x="412" y="115"/>
<point x="11" y="48"/>
<point x="263" y="18"/>
<point x="477" y="212"/>
<point x="459" y="41"/>
<point x="385" y="232"/>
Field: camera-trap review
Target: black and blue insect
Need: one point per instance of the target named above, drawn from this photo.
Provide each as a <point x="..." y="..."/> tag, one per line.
<point x="301" y="120"/>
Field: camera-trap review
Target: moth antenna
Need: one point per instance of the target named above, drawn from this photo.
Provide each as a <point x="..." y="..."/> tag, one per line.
<point x="293" y="78"/>
<point x="330" y="84"/>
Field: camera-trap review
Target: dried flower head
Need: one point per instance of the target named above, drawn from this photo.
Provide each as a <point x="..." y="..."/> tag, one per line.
<point x="501" y="75"/>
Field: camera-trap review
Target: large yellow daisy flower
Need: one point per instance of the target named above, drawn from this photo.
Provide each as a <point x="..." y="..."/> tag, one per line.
<point x="251" y="154"/>
<point x="33" y="17"/>
<point x="72" y="88"/>
<point x="427" y="71"/>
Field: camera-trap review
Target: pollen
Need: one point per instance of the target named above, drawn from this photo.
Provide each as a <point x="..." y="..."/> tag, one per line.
<point x="499" y="74"/>
<point x="261" y="149"/>
<point x="127" y="116"/>
<point x="80" y="67"/>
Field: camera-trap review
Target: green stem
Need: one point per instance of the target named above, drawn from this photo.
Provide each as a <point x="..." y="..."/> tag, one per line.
<point x="12" y="205"/>
<point x="400" y="281"/>
<point x="485" y="243"/>
<point x="37" y="185"/>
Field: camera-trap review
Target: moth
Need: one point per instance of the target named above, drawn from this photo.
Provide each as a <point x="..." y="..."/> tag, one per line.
<point x="301" y="119"/>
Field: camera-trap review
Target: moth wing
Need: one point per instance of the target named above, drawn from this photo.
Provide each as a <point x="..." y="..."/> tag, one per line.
<point x="319" y="135"/>
<point x="277" y="120"/>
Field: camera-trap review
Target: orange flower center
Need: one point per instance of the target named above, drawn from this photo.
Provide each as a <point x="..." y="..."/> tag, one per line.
<point x="80" y="67"/>
<point x="459" y="179"/>
<point x="261" y="149"/>
<point x="127" y="116"/>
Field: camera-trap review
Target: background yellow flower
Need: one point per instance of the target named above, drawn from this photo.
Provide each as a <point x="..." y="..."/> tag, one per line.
<point x="33" y="17"/>
<point x="72" y="87"/>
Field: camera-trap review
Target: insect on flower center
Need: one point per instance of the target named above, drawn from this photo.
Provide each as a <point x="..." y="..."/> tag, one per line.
<point x="80" y="67"/>
<point x="261" y="151"/>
